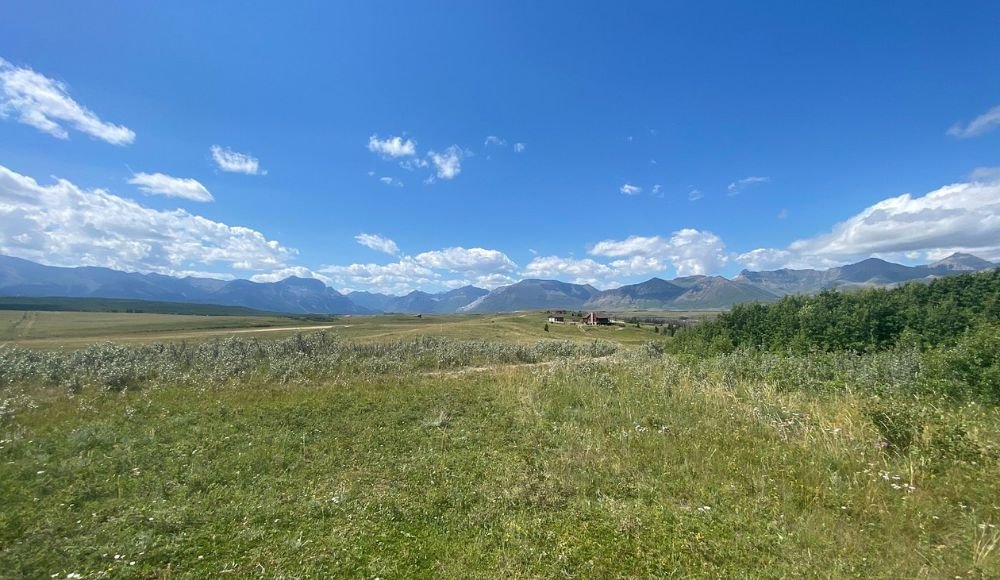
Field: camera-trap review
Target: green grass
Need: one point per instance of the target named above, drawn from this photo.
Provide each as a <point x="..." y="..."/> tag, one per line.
<point x="58" y="303"/>
<point x="76" y="329"/>
<point x="80" y="329"/>
<point x="451" y="459"/>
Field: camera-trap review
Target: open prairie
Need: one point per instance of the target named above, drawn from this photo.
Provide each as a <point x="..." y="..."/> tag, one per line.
<point x="486" y="446"/>
<point x="77" y="329"/>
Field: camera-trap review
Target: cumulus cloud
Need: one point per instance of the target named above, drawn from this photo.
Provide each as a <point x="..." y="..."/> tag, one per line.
<point x="629" y="189"/>
<point x="228" y="160"/>
<point x="494" y="140"/>
<point x="962" y="217"/>
<point x="980" y="125"/>
<point x="449" y="163"/>
<point x="694" y="195"/>
<point x="160" y="184"/>
<point x="63" y="225"/>
<point x="737" y="187"/>
<point x="689" y="251"/>
<point x="391" y="181"/>
<point x="765" y="258"/>
<point x="395" y="278"/>
<point x="297" y="271"/>
<point x="467" y="260"/>
<point x="392" y="147"/>
<point x="519" y="147"/>
<point x="579" y="271"/>
<point x="377" y="243"/>
<point x="43" y="103"/>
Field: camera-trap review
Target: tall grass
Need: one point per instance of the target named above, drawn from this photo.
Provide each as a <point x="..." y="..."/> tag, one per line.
<point x="315" y="457"/>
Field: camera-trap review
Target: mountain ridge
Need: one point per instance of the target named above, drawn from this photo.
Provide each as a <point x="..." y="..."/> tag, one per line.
<point x="293" y="295"/>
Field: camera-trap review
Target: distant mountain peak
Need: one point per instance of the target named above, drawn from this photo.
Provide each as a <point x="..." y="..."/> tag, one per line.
<point x="960" y="261"/>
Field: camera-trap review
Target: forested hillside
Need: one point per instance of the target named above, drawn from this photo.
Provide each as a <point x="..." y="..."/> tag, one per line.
<point x="867" y="320"/>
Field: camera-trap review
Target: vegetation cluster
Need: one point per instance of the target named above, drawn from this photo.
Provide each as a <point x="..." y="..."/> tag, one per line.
<point x="784" y="450"/>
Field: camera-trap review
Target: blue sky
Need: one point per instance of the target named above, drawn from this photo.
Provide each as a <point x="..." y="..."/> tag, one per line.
<point x="393" y="146"/>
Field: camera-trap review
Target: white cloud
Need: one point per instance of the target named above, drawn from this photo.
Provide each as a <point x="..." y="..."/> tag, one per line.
<point x="395" y="278"/>
<point x="629" y="189"/>
<point x="580" y="271"/>
<point x="737" y="187"/>
<point x="494" y="140"/>
<point x="519" y="147"/>
<point x="45" y="104"/>
<point x="782" y="214"/>
<point x="764" y="258"/>
<point x="377" y="243"/>
<point x="985" y="174"/>
<point x="61" y="224"/>
<point x="392" y="181"/>
<point x="414" y="163"/>
<point x="449" y="163"/>
<point x="694" y="195"/>
<point x="980" y="125"/>
<point x="688" y="250"/>
<point x="297" y="271"/>
<point x="467" y="260"/>
<point x="160" y="184"/>
<point x="228" y="160"/>
<point x="962" y="217"/>
<point x="491" y="281"/>
<point x="392" y="147"/>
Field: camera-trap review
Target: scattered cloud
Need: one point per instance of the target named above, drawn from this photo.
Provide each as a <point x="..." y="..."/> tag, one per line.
<point x="519" y="147"/>
<point x="297" y="271"/>
<point x="377" y="243"/>
<point x="962" y="217"/>
<point x="629" y="189"/>
<point x="980" y="125"/>
<point x="43" y="103"/>
<point x="160" y="184"/>
<point x="579" y="271"/>
<point x="737" y="187"/>
<point x="689" y="251"/>
<point x="391" y="181"/>
<point x="494" y="141"/>
<point x="449" y="163"/>
<point x="414" y="163"/>
<point x="395" y="278"/>
<point x="985" y="174"/>
<point x="63" y="225"/>
<point x="764" y="258"/>
<point x="460" y="259"/>
<point x="392" y="147"/>
<point x="782" y="214"/>
<point x="694" y="195"/>
<point x="658" y="190"/>
<point x="228" y="160"/>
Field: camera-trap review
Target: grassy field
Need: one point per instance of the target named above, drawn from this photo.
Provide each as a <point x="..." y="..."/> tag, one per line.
<point x="320" y="456"/>
<point x="79" y="329"/>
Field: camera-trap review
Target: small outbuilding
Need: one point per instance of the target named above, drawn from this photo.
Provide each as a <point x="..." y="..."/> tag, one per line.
<point x="556" y="318"/>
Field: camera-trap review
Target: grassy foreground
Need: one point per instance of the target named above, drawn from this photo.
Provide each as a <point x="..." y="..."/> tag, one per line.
<point x="435" y="458"/>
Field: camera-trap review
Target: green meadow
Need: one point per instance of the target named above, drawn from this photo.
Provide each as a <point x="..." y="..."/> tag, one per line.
<point x="486" y="446"/>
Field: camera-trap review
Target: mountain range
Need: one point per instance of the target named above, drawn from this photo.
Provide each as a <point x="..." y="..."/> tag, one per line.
<point x="23" y="278"/>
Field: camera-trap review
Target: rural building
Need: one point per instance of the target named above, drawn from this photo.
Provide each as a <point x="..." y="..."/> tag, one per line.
<point x="556" y="318"/>
<point x="596" y="319"/>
